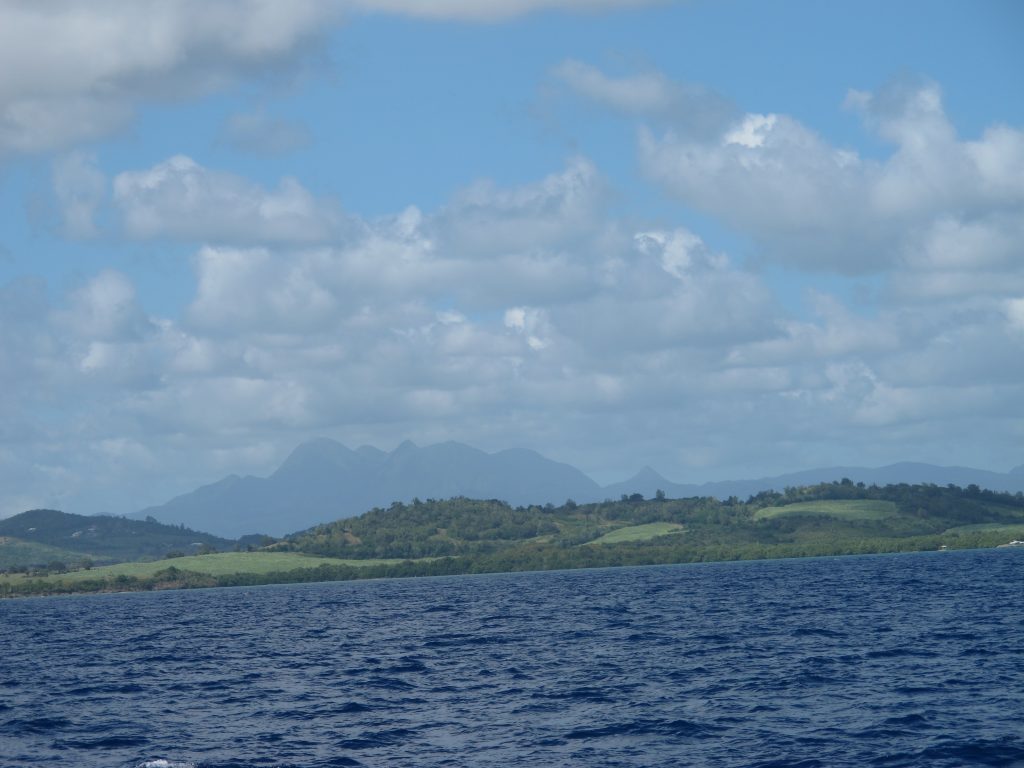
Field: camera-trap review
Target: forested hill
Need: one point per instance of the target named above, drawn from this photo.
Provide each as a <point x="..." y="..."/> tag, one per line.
<point x="462" y="535"/>
<point x="824" y="518"/>
<point x="46" y="535"/>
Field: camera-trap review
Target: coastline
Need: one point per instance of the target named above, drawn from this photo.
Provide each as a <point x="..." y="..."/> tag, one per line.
<point x="191" y="580"/>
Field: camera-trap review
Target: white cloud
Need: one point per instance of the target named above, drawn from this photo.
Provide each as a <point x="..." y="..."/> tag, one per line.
<point x="590" y="333"/>
<point x="81" y="189"/>
<point x="751" y="131"/>
<point x="1015" y="314"/>
<point x="180" y="199"/>
<point x="935" y="201"/>
<point x="531" y="323"/>
<point x="638" y="94"/>
<point x="495" y="10"/>
<point x="106" y="309"/>
<point x="101" y="60"/>
<point x="249" y="289"/>
<point x="649" y="94"/>
<point x="542" y="215"/>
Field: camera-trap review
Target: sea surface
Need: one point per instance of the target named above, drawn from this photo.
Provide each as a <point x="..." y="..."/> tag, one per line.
<point x="897" y="660"/>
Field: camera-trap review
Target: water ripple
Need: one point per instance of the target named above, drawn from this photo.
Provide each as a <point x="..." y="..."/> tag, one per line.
<point x="870" y="661"/>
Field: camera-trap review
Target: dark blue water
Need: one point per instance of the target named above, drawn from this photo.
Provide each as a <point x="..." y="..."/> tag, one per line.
<point x="913" y="660"/>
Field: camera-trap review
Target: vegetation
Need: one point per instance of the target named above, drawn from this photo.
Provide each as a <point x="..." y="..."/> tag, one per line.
<point x="462" y="535"/>
<point x="219" y="564"/>
<point x="40" y="536"/>
<point x="644" y="532"/>
<point x="846" y="509"/>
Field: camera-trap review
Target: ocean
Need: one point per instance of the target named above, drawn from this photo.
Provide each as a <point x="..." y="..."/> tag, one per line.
<point x="888" y="660"/>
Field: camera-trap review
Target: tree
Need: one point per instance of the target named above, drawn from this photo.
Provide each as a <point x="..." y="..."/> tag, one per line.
<point x="659" y="495"/>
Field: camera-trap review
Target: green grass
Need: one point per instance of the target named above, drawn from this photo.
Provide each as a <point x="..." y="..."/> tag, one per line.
<point x="851" y="509"/>
<point x="638" y="533"/>
<point x="1015" y="529"/>
<point x="220" y="564"/>
<point x="15" y="552"/>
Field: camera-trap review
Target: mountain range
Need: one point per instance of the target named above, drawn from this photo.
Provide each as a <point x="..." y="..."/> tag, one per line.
<point x="323" y="480"/>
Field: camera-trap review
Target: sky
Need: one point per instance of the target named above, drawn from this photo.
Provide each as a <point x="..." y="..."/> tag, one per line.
<point x="723" y="239"/>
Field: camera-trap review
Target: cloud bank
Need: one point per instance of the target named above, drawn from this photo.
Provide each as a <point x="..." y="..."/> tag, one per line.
<point x="577" y="329"/>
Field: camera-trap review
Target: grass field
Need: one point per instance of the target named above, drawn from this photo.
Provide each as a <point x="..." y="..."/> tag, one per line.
<point x="219" y="564"/>
<point x="852" y="509"/>
<point x="1011" y="529"/>
<point x="15" y="552"/>
<point x="638" y="533"/>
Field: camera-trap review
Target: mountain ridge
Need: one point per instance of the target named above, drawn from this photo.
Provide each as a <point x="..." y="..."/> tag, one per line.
<point x="323" y="480"/>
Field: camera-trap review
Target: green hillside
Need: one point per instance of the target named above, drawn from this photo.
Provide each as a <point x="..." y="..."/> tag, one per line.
<point x="217" y="564"/>
<point x="844" y="509"/>
<point x="461" y="535"/>
<point x="15" y="553"/>
<point x="42" y="536"/>
<point x="644" y="532"/>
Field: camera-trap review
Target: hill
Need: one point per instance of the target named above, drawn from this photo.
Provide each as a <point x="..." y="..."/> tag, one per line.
<point x="827" y="518"/>
<point x="42" y="536"/>
<point x="323" y="480"/>
<point x="462" y="535"/>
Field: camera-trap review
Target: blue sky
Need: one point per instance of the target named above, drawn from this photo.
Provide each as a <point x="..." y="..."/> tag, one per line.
<point x="725" y="239"/>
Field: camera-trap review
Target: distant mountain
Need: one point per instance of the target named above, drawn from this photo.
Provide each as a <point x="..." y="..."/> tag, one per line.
<point x="322" y="480"/>
<point x="647" y="481"/>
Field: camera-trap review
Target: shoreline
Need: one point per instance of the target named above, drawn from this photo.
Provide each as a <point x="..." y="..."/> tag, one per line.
<point x="198" y="581"/>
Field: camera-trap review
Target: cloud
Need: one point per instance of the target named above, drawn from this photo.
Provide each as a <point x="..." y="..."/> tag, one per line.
<point x="807" y="203"/>
<point x="496" y="10"/>
<point x="81" y="189"/>
<point x="1015" y="315"/>
<point x="258" y="133"/>
<point x="688" y="107"/>
<point x="99" y="62"/>
<point x="585" y="335"/>
<point x="180" y="199"/>
<point x="290" y="296"/>
<point x="105" y="309"/>
<point x="544" y="214"/>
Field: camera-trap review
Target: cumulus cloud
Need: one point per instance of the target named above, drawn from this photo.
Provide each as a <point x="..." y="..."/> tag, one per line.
<point x="180" y="199"/>
<point x="98" y="62"/>
<point x="105" y="309"/>
<point x="544" y="214"/>
<point x="936" y="199"/>
<point x="576" y="339"/>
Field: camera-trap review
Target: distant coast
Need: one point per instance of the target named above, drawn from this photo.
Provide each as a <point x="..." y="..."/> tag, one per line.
<point x="467" y="536"/>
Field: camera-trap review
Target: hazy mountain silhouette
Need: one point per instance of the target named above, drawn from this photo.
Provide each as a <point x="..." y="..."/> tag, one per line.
<point x="647" y="481"/>
<point x="322" y="480"/>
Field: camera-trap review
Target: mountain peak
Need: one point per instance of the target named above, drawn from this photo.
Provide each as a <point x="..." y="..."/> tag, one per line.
<point x="319" y="451"/>
<point x="647" y="474"/>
